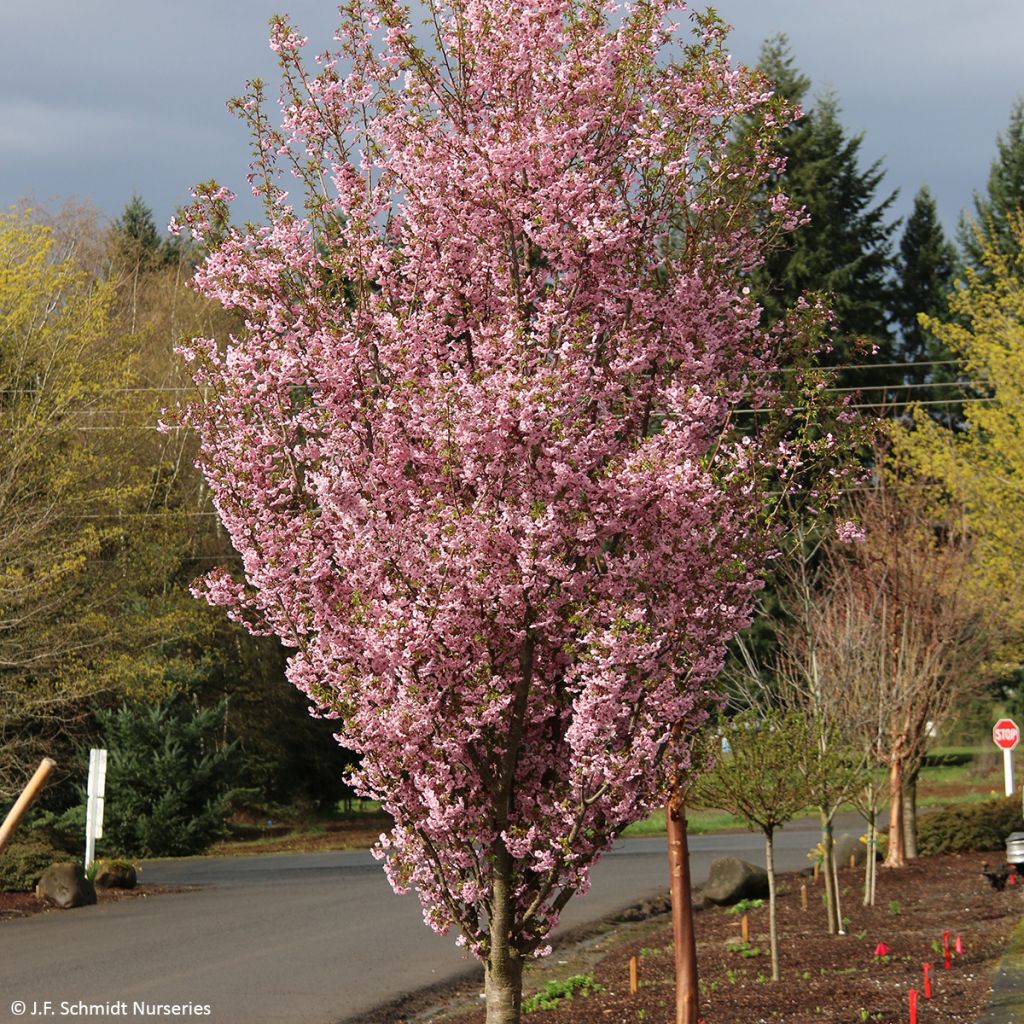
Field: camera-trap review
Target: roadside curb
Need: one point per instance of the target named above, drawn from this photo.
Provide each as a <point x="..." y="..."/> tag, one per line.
<point x="1007" y="1004"/>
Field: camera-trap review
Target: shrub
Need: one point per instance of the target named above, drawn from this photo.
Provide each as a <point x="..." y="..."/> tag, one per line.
<point x="169" y="779"/>
<point x="982" y="826"/>
<point x="23" y="862"/>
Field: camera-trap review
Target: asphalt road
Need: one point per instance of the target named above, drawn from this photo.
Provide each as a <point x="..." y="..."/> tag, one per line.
<point x="304" y="939"/>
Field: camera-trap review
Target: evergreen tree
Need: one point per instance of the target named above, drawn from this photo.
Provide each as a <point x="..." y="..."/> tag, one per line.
<point x="990" y="225"/>
<point x="924" y="276"/>
<point x="136" y="241"/>
<point x="844" y="251"/>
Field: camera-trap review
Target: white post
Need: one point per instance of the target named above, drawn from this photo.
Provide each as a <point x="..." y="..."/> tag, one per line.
<point x="94" y="803"/>
<point x="1008" y="772"/>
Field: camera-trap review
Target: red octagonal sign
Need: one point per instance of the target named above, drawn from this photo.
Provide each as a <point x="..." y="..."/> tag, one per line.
<point x="1006" y="734"/>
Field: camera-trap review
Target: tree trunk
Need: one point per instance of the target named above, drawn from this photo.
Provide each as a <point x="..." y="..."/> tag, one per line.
<point x="504" y="970"/>
<point x="896" y="855"/>
<point x="834" y="868"/>
<point x="773" y="933"/>
<point x="869" y="859"/>
<point x="828" y="874"/>
<point x="682" y="912"/>
<point x="910" y="816"/>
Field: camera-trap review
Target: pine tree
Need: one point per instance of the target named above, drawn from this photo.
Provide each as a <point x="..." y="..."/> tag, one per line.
<point x="845" y="249"/>
<point x="1003" y="196"/>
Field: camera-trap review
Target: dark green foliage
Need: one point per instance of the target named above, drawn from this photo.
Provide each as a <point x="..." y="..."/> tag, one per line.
<point x="1003" y="197"/>
<point x="845" y="249"/>
<point x="23" y="862"/>
<point x="169" y="779"/>
<point x="925" y="269"/>
<point x="975" y="827"/>
<point x="140" y="246"/>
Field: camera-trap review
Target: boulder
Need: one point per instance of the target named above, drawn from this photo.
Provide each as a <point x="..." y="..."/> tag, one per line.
<point x="731" y="880"/>
<point x="65" y="885"/>
<point x="115" y="874"/>
<point x="848" y="846"/>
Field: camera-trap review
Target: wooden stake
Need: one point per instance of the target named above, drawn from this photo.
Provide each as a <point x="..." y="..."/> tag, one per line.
<point x="803" y="895"/>
<point x="24" y="802"/>
<point x="632" y="976"/>
<point x="814" y="877"/>
<point x="927" y="981"/>
<point x="745" y="928"/>
<point x="853" y="860"/>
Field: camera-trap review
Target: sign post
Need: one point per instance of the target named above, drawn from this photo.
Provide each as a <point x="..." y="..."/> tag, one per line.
<point x="1006" y="736"/>
<point x="94" y="805"/>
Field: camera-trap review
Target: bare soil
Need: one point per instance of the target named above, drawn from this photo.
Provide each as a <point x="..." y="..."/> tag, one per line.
<point x="824" y="978"/>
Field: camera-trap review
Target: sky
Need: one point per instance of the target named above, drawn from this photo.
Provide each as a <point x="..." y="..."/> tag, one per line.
<point x="100" y="99"/>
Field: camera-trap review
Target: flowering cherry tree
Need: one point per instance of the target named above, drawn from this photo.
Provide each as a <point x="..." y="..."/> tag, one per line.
<point x="475" y="442"/>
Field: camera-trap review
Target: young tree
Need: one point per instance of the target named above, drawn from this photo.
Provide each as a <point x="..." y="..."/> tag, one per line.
<point x="474" y="444"/>
<point x="759" y="777"/>
<point x="905" y="603"/>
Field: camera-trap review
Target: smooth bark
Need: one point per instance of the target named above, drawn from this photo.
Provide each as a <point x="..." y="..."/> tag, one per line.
<point x="773" y="933"/>
<point x="896" y="855"/>
<point x="910" y="816"/>
<point x="828" y="874"/>
<point x="687" y="1007"/>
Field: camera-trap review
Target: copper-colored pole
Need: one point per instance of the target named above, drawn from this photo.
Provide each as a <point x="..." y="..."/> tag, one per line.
<point x="682" y="911"/>
<point x="24" y="802"/>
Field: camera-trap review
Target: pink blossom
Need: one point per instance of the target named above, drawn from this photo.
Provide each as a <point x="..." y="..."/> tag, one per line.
<point x="474" y="438"/>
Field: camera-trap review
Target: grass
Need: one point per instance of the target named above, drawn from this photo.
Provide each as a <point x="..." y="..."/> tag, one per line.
<point x="938" y="785"/>
<point x="697" y="823"/>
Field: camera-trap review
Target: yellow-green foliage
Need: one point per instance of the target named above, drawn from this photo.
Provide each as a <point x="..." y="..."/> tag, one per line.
<point x="92" y="535"/>
<point x="981" y="468"/>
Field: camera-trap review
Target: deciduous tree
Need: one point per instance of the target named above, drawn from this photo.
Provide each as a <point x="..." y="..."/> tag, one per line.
<point x="980" y="469"/>
<point x="758" y="776"/>
<point x="474" y="444"/>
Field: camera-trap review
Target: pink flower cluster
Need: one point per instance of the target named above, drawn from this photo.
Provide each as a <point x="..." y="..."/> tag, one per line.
<point x="473" y="443"/>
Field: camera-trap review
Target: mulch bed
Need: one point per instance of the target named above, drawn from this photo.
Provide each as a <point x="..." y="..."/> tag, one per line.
<point x="824" y="978"/>
<point x="14" y="905"/>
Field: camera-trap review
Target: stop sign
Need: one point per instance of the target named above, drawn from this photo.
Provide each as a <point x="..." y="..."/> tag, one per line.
<point x="1006" y="734"/>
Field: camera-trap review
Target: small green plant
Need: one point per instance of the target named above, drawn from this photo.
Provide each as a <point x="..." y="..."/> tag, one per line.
<point x="554" y="992"/>
<point x="762" y="979"/>
<point x="895" y="908"/>
<point x="745" y="949"/>
<point x="92" y="871"/>
<point x="861" y="936"/>
<point x="864" y="1015"/>
<point x="731" y="976"/>
<point x="648" y="951"/>
<point x="806" y="975"/>
<point x="936" y="946"/>
<point x="641" y="1016"/>
<point x="744" y="905"/>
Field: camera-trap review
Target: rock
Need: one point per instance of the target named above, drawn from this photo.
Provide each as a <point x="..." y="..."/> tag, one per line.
<point x="848" y="846"/>
<point x="65" y="885"/>
<point x="731" y="880"/>
<point x="116" y="874"/>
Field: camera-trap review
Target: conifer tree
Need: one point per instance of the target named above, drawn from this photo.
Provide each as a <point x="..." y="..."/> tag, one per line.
<point x="844" y="250"/>
<point x="924" y="275"/>
<point x="990" y="226"/>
